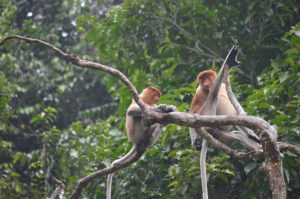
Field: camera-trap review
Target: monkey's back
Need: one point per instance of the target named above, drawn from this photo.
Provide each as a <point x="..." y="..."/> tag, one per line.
<point x="134" y="128"/>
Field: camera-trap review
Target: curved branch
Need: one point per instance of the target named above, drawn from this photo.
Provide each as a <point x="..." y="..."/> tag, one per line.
<point x="242" y="73"/>
<point x="187" y="34"/>
<point x="286" y="146"/>
<point x="83" y="182"/>
<point x="272" y="165"/>
<point x="58" y="189"/>
<point x="233" y="153"/>
<point x="85" y="64"/>
<point x="231" y="96"/>
<point x="239" y="109"/>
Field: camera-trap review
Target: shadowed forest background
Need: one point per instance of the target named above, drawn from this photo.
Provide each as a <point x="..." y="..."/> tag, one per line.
<point x="56" y="118"/>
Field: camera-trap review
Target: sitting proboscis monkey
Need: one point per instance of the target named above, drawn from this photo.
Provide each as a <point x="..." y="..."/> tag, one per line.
<point x="142" y="136"/>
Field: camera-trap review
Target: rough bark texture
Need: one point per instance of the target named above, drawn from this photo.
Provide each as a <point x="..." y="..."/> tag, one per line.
<point x="272" y="166"/>
<point x="58" y="189"/>
<point x="83" y="182"/>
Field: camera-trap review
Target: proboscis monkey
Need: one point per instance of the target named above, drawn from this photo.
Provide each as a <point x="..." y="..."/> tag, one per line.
<point x="137" y="132"/>
<point x="211" y="99"/>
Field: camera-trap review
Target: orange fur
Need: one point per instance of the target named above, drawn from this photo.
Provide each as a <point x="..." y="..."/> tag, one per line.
<point x="148" y="96"/>
<point x="134" y="127"/>
<point x="206" y="80"/>
<point x="137" y="131"/>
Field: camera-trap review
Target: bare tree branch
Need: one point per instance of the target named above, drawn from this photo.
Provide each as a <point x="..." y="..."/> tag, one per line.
<point x="85" y="64"/>
<point x="242" y="73"/>
<point x="286" y="146"/>
<point x="234" y="154"/>
<point x="83" y="182"/>
<point x="58" y="189"/>
<point x="239" y="109"/>
<point x="272" y="165"/>
<point x="198" y="43"/>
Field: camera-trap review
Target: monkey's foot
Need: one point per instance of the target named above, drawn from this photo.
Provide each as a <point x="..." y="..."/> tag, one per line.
<point x="197" y="144"/>
<point x="231" y="58"/>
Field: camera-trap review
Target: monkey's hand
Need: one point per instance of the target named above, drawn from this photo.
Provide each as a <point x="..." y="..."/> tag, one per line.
<point x="231" y="58"/>
<point x="165" y="108"/>
<point x="197" y="144"/>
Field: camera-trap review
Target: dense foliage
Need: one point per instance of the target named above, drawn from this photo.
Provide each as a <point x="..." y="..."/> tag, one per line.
<point x="56" y="118"/>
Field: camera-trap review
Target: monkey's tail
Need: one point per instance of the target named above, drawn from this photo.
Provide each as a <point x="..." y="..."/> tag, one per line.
<point x="122" y="160"/>
<point x="203" y="169"/>
<point x="109" y="184"/>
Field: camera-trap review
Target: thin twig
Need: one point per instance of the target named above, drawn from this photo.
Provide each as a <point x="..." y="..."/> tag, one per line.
<point x="239" y="109"/>
<point x="58" y="189"/>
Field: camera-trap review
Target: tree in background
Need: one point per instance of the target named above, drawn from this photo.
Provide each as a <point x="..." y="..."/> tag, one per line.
<point x="153" y="43"/>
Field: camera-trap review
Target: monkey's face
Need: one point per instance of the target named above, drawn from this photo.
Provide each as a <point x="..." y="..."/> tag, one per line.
<point x="205" y="81"/>
<point x="150" y="96"/>
<point x="156" y="99"/>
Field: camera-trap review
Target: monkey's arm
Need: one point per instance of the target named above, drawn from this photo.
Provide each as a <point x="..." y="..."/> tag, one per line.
<point x="164" y="108"/>
<point x="134" y="110"/>
<point x="156" y="130"/>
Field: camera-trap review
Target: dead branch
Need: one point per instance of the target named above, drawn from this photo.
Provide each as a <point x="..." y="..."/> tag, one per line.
<point x="58" y="189"/>
<point x="272" y="166"/>
<point x="239" y="109"/>
<point x="291" y="148"/>
<point x="83" y="63"/>
<point x="83" y="182"/>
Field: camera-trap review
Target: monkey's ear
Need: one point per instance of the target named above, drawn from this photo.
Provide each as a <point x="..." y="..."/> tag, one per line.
<point x="231" y="59"/>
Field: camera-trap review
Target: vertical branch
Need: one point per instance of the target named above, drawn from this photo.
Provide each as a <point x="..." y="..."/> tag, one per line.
<point x="239" y="109"/>
<point x="272" y="167"/>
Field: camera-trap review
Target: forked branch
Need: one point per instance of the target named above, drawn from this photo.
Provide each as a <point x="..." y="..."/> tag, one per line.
<point x="83" y="63"/>
<point x="83" y="182"/>
<point x="58" y="189"/>
<point x="272" y="164"/>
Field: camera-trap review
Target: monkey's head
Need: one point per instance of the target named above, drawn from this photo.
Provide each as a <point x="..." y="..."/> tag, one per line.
<point x="206" y="79"/>
<point x="150" y="96"/>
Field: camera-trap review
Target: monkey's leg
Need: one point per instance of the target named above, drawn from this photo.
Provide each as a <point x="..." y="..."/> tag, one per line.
<point x="195" y="139"/>
<point x="156" y="130"/>
<point x="229" y="62"/>
<point x="203" y="169"/>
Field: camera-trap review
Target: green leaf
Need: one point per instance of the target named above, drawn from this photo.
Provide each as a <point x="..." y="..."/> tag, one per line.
<point x="17" y="157"/>
<point x="223" y="177"/>
<point x="173" y="183"/>
<point x="249" y="167"/>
